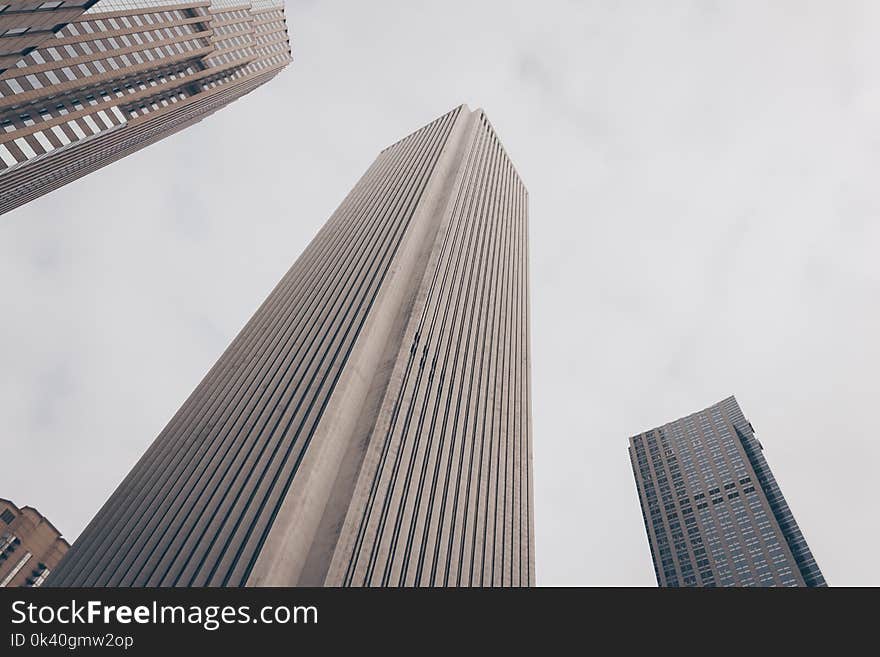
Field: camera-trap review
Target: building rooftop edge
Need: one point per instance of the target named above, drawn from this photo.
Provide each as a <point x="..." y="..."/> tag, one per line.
<point x="42" y="517"/>
<point x="683" y="417"/>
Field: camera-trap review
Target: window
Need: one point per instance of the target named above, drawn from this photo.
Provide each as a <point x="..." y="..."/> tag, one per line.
<point x="51" y="5"/>
<point x="91" y="123"/>
<point x="60" y="135"/>
<point x="43" y="141"/>
<point x="15" y="31"/>
<point x="7" y="516"/>
<point x="73" y="125"/>
<point x="25" y="147"/>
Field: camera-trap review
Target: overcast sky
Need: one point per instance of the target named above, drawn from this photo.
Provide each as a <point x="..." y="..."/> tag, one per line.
<point x="704" y="222"/>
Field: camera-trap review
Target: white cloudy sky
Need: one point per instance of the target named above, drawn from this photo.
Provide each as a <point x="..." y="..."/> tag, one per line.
<point x="704" y="222"/>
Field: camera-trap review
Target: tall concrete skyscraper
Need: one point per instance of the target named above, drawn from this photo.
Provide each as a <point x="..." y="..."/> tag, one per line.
<point x="713" y="511"/>
<point x="83" y="84"/>
<point x="371" y="424"/>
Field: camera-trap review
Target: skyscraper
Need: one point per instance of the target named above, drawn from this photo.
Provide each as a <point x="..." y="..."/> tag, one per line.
<point x="371" y="424"/>
<point x="26" y="24"/>
<point x="713" y="511"/>
<point x="86" y="83"/>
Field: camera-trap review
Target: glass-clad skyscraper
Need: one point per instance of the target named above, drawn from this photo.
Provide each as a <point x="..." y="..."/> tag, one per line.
<point x="713" y="511"/>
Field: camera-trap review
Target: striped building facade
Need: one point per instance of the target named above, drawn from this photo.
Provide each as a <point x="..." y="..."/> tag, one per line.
<point x="713" y="511"/>
<point x="26" y="24"/>
<point x="371" y="424"/>
<point x="122" y="74"/>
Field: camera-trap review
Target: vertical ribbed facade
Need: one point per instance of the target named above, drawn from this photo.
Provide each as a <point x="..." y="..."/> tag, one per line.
<point x="445" y="499"/>
<point x="713" y="511"/>
<point x="370" y="425"/>
<point x="124" y="74"/>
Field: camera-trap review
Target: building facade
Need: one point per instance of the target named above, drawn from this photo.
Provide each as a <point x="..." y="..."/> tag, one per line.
<point x="106" y="79"/>
<point x="371" y="424"/>
<point x="30" y="546"/>
<point x="713" y="511"/>
<point x="26" y="24"/>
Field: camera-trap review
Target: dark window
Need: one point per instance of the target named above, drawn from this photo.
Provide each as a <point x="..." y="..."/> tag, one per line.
<point x="7" y="516"/>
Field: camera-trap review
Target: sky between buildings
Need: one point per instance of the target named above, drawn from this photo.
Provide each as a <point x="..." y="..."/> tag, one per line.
<point x="704" y="222"/>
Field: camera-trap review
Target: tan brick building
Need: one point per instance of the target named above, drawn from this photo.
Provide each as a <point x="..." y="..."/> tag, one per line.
<point x="30" y="546"/>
